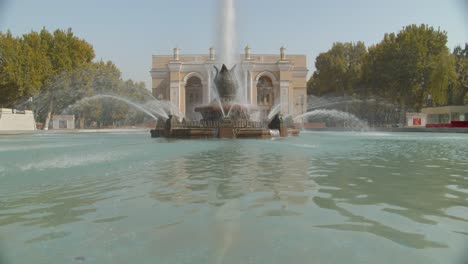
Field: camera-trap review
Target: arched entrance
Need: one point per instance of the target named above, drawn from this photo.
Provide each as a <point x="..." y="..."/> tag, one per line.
<point x="265" y="93"/>
<point x="193" y="97"/>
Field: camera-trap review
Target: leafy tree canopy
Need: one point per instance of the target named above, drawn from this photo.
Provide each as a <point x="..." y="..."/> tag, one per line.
<point x="57" y="70"/>
<point x="404" y="68"/>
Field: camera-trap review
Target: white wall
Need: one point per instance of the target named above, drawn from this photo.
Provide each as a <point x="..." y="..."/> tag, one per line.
<point x="56" y="124"/>
<point x="16" y="122"/>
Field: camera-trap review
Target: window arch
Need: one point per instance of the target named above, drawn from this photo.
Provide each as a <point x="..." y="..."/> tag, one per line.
<point x="193" y="96"/>
<point x="265" y="91"/>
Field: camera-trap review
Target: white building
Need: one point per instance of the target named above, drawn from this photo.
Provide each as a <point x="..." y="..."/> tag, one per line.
<point x="13" y="120"/>
<point x="63" y="122"/>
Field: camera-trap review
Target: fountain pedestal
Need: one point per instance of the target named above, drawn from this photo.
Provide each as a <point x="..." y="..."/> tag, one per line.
<point x="226" y="128"/>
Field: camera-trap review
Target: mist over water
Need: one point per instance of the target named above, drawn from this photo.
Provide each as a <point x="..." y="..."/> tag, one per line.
<point x="348" y="120"/>
<point x="375" y="111"/>
<point x="152" y="107"/>
<point x="137" y="106"/>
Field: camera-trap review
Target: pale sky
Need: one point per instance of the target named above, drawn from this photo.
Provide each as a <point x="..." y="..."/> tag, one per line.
<point x="129" y="32"/>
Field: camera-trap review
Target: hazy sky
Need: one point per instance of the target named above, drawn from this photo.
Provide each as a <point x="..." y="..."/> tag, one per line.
<point x="129" y="32"/>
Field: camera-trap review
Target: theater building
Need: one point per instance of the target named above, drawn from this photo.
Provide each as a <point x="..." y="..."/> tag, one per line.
<point x="269" y="80"/>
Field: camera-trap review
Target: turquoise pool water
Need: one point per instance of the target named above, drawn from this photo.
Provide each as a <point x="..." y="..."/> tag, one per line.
<point x="317" y="198"/>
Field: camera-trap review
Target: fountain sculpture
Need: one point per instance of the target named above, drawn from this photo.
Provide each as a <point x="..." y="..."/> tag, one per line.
<point x="224" y="118"/>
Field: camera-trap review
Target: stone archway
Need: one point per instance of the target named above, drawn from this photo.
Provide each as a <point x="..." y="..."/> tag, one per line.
<point x="193" y="96"/>
<point x="265" y="93"/>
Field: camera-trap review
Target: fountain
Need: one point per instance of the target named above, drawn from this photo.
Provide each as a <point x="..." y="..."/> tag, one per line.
<point x="230" y="114"/>
<point x="227" y="107"/>
<point x="348" y="120"/>
<point x="215" y="123"/>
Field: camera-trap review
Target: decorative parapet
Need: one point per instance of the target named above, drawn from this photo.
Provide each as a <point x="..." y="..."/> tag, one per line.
<point x="282" y="53"/>
<point x="212" y="54"/>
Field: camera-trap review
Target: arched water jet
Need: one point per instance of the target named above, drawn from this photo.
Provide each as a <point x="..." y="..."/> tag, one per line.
<point x="351" y="120"/>
<point x="133" y="104"/>
<point x="163" y="108"/>
<point x="275" y="110"/>
<point x="332" y="104"/>
<point x="377" y="112"/>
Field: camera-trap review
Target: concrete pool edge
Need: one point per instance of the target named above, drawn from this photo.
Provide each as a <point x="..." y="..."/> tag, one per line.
<point x="424" y="130"/>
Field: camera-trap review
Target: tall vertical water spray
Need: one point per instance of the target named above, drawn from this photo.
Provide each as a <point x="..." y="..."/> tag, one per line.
<point x="229" y="53"/>
<point x="227" y="33"/>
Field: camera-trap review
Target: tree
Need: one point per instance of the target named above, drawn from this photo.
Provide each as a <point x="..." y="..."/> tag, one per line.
<point x="10" y="70"/>
<point x="21" y="68"/>
<point x="66" y="52"/>
<point x="460" y="85"/>
<point x="85" y="92"/>
<point x="442" y="82"/>
<point x="57" y="69"/>
<point x="405" y="68"/>
<point x="30" y="63"/>
<point x="338" y="71"/>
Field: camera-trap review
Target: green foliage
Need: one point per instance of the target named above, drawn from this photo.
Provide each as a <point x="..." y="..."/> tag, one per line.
<point x="10" y="69"/>
<point x="406" y="67"/>
<point x="403" y="68"/>
<point x="460" y="85"/>
<point x="442" y="80"/>
<point x="57" y="69"/>
<point x="77" y="86"/>
<point x="29" y="62"/>
<point x="338" y="70"/>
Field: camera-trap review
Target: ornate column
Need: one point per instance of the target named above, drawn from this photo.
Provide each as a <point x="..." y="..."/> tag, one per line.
<point x="247" y="53"/>
<point x="282" y="54"/>
<point x="212" y="54"/>
<point x="176" y="54"/>
<point x="248" y="83"/>
<point x="284" y="97"/>
<point x="286" y="93"/>
<point x="247" y="67"/>
<point x="174" y="85"/>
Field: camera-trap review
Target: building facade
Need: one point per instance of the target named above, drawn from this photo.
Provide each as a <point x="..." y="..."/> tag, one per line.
<point x="11" y="119"/>
<point x="438" y="116"/>
<point x="445" y="114"/>
<point x="63" y="122"/>
<point x="269" y="80"/>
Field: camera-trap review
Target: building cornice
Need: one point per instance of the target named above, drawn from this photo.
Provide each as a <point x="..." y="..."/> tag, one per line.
<point x="285" y="65"/>
<point x="174" y="66"/>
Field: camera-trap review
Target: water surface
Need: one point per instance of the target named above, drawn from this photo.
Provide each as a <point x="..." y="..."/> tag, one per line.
<point x="317" y="198"/>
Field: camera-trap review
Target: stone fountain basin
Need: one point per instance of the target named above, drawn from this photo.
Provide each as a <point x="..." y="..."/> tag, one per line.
<point x="216" y="112"/>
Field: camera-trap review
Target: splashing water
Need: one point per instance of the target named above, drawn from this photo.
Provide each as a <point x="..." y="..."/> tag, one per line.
<point x="226" y="42"/>
<point x="156" y="108"/>
<point x="349" y="120"/>
<point x="227" y="32"/>
<point x="275" y="133"/>
<point x="215" y="96"/>
<point x="239" y="76"/>
<point x="377" y="112"/>
<point x="133" y="104"/>
<point x="163" y="108"/>
<point x="322" y="105"/>
<point x="275" y="110"/>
